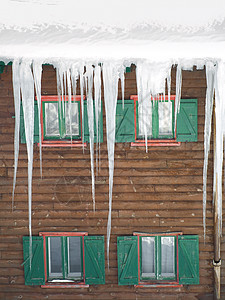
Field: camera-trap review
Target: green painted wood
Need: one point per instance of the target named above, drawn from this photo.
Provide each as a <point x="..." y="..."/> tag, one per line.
<point x="36" y="125"/>
<point x="188" y="252"/>
<point x="34" y="275"/>
<point x="187" y="121"/>
<point x="125" y="121"/>
<point x="94" y="257"/>
<point x="86" y="128"/>
<point x="127" y="255"/>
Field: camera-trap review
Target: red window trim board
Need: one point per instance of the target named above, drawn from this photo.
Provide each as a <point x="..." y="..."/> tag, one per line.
<point x="58" y="284"/>
<point x="142" y="284"/>
<point x="160" y="142"/>
<point x="58" y="143"/>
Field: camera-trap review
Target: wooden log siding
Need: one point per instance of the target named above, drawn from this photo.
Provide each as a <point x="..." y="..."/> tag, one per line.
<point x="153" y="192"/>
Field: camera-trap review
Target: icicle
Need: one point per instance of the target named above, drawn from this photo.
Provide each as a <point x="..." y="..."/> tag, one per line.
<point x="89" y="82"/>
<point x="27" y="92"/>
<point x="210" y="76"/>
<point x="110" y="80"/>
<point x="81" y="72"/>
<point x="168" y="80"/>
<point x="97" y="85"/>
<point x="122" y="79"/>
<point x="17" y="97"/>
<point x="150" y="82"/>
<point x="178" y="92"/>
<point x="220" y="130"/>
<point x="68" y="77"/>
<point x="37" y="71"/>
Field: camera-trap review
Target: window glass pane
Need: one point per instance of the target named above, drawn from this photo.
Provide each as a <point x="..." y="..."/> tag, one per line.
<point x="145" y="115"/>
<point x="55" y="256"/>
<point x="74" y="256"/>
<point x="148" y="257"/>
<point x="74" y="115"/>
<point x="167" y="259"/>
<point x="51" y="119"/>
<point x="165" y="118"/>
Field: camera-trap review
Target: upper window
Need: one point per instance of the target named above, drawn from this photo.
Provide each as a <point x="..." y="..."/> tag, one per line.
<point x="158" y="259"/>
<point x="158" y="119"/>
<point x="67" y="259"/>
<point x="61" y="123"/>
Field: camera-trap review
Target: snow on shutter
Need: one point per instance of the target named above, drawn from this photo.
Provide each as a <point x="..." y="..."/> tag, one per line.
<point x="188" y="252"/>
<point x="86" y="128"/>
<point x="36" y="125"/>
<point x="127" y="255"/>
<point x="94" y="256"/>
<point x="35" y="275"/>
<point x="125" y="131"/>
<point x="187" y="121"/>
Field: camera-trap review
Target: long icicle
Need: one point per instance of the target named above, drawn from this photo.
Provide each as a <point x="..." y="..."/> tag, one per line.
<point x="97" y="86"/>
<point x="27" y="92"/>
<point x="17" y="97"/>
<point x="89" y="80"/>
<point x="178" y="92"/>
<point x="37" y="72"/>
<point x="110" y="80"/>
<point x="210" y="74"/>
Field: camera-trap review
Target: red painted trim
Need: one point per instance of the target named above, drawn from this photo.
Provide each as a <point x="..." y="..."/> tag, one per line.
<point x="172" y="285"/>
<point x="135" y="120"/>
<point x="172" y="97"/>
<point x="58" y="143"/>
<point x="83" y="260"/>
<point x="177" y="262"/>
<point x="157" y="143"/>
<point x="64" y="285"/>
<point x="45" y="258"/>
<point x="158" y="234"/>
<point x="139" y="271"/>
<point x="63" y="233"/>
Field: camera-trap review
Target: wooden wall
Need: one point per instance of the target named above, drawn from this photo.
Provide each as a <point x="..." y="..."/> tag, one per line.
<point x="153" y="192"/>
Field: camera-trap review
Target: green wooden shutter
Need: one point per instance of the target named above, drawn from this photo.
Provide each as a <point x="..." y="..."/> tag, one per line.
<point x="187" y="121"/>
<point x="125" y="131"/>
<point x="94" y="257"/>
<point x="35" y="275"/>
<point x="86" y="128"/>
<point x="36" y="125"/>
<point x="188" y="253"/>
<point x="127" y="255"/>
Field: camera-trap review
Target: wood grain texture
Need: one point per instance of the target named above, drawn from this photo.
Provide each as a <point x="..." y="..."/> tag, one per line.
<point x="158" y="191"/>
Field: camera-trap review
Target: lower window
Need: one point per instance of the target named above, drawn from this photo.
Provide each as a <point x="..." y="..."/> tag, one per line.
<point x="67" y="259"/>
<point x="167" y="259"/>
<point x="64" y="258"/>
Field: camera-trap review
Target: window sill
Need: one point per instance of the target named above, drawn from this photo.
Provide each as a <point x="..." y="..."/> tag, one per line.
<point x="156" y="143"/>
<point x="158" y="285"/>
<point x="63" y="144"/>
<point x="64" y="285"/>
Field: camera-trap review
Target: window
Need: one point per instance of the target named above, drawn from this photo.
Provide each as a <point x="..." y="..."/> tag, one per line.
<point x="68" y="259"/>
<point x="61" y="123"/>
<point x="160" y="121"/>
<point x="158" y="259"/>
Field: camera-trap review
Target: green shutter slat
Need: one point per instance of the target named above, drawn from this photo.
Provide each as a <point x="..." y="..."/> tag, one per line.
<point x="2" y="66"/>
<point x="22" y="126"/>
<point x="187" y="121"/>
<point x="36" y="125"/>
<point x="86" y="128"/>
<point x="35" y="275"/>
<point x="127" y="255"/>
<point x="125" y="131"/>
<point x="94" y="256"/>
<point x="188" y="253"/>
